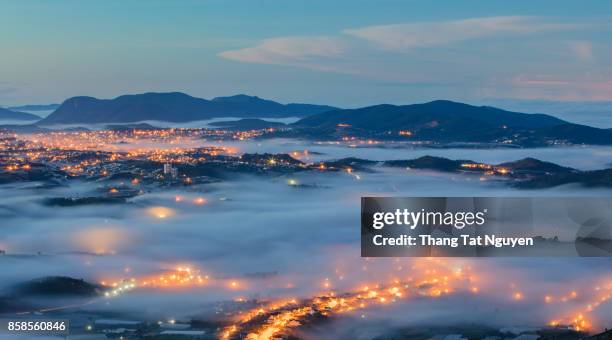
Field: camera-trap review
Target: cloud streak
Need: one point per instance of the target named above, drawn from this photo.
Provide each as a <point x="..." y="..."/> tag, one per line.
<point x="586" y="88"/>
<point x="430" y="34"/>
<point x="312" y="52"/>
<point x="440" y="52"/>
<point x="292" y="51"/>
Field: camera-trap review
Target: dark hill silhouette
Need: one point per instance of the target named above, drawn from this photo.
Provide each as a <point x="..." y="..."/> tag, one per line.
<point x="35" y="107"/>
<point x="57" y="286"/>
<point x="16" y="115"/>
<point x="536" y="165"/>
<point x="446" y="121"/>
<point x="436" y="113"/>
<point x="173" y="107"/>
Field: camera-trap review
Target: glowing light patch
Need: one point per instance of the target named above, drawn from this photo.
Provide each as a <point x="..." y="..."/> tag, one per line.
<point x="160" y="212"/>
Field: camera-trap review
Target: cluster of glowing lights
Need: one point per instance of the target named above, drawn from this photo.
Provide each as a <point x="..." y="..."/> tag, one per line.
<point x="250" y="134"/>
<point x="111" y="138"/>
<point x="433" y="278"/>
<point x="17" y="166"/>
<point x="161" y="212"/>
<point x="488" y="168"/>
<point x="579" y="320"/>
<point x="199" y="200"/>
<point x="94" y="153"/>
<point x="86" y="153"/>
<point x="178" y="277"/>
<point x="354" y="141"/>
<point x="119" y="288"/>
<point x="405" y="133"/>
<point x="278" y="318"/>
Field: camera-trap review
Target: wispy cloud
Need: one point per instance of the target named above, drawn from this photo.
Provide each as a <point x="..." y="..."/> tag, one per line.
<point x="378" y="53"/>
<point x="292" y="51"/>
<point x="587" y="88"/>
<point x="430" y="34"/>
<point x="313" y="52"/>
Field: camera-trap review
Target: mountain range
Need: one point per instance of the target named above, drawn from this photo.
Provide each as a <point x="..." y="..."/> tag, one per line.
<point x="173" y="107"/>
<point x="6" y="114"/>
<point x="448" y="121"/>
<point x="432" y="114"/>
<point x="439" y="121"/>
<point x="44" y="107"/>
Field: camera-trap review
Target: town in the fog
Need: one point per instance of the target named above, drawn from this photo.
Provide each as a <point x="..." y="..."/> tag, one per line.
<point x="306" y="170"/>
<point x="124" y="219"/>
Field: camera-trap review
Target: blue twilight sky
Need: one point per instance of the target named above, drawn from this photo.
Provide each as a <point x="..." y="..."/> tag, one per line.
<point x="347" y="53"/>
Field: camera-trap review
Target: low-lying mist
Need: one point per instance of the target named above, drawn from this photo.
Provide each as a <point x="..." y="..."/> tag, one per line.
<point x="274" y="239"/>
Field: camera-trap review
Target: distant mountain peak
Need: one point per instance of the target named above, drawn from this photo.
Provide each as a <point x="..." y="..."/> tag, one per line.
<point x="238" y="98"/>
<point x="444" y="101"/>
<point x="34" y="107"/>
